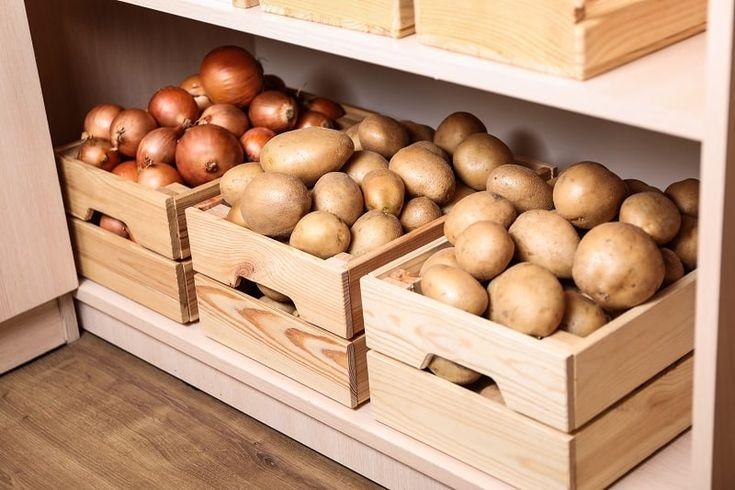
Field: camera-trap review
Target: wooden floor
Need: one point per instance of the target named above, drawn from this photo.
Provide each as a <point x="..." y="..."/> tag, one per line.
<point x="90" y="415"/>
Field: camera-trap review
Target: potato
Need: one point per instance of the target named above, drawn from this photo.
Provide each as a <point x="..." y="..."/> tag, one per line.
<point x="382" y="134"/>
<point x="372" y="230"/>
<point x="362" y="163"/>
<point x="454" y="287"/>
<point x="685" y="195"/>
<point x="477" y="156"/>
<point x="419" y="211"/>
<point x="674" y="269"/>
<point x="273" y="294"/>
<point x="338" y="194"/>
<point x="418" y="132"/>
<point x="431" y="147"/>
<point x="528" y="299"/>
<point x="521" y="186"/>
<point x="453" y="372"/>
<point x="685" y="243"/>
<point x="235" y="216"/>
<point x="455" y="128"/>
<point x="460" y="193"/>
<point x="618" y="265"/>
<point x="284" y="306"/>
<point x="634" y="186"/>
<point x="321" y="234"/>
<point x="480" y="206"/>
<point x="273" y="203"/>
<point x="484" y="249"/>
<point x="307" y="153"/>
<point x="444" y="256"/>
<point x="588" y="194"/>
<point x="582" y="316"/>
<point x="383" y="190"/>
<point x="544" y="238"/>
<point x="352" y="133"/>
<point x="424" y="173"/>
<point x="233" y="182"/>
<point x="653" y="213"/>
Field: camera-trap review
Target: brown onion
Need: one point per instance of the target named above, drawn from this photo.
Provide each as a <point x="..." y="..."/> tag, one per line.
<point x="230" y="75"/>
<point x="313" y="118"/>
<point x="273" y="82"/>
<point x="327" y="107"/>
<point x="128" y="128"/>
<point x="273" y="110"/>
<point x="99" y="153"/>
<point x="253" y="140"/>
<point x="227" y="116"/>
<point x="98" y="120"/>
<point x="114" y="226"/>
<point x="159" y="175"/>
<point x="206" y="152"/>
<point x="158" y="146"/>
<point x="193" y="85"/>
<point x="173" y="107"/>
<point x="127" y="170"/>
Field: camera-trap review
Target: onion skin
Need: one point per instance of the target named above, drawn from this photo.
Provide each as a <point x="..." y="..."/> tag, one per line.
<point x="99" y="153"/>
<point x="313" y="118"/>
<point x="173" y="107"/>
<point x="231" y="75"/>
<point x="227" y="116"/>
<point x="158" y="146"/>
<point x="205" y="153"/>
<point x="253" y="140"/>
<point x="193" y="85"/>
<point x="273" y="82"/>
<point x="127" y="170"/>
<point x="98" y="120"/>
<point x="129" y="128"/>
<point x="274" y="110"/>
<point x="159" y="175"/>
<point x="114" y="226"/>
<point x="325" y="106"/>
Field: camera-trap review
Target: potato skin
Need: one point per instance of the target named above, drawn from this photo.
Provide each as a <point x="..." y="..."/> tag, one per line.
<point x="372" y="230"/>
<point x="235" y="216"/>
<point x="321" y="234"/>
<point x="685" y="195"/>
<point x="588" y="194"/>
<point x="480" y="206"/>
<point x="451" y="371"/>
<point x="521" y="186"/>
<point x="418" y="212"/>
<point x="455" y="128"/>
<point x="544" y="238"/>
<point x="618" y="265"/>
<point x="673" y="266"/>
<point x="382" y="134"/>
<point x="362" y="163"/>
<point x="653" y="213"/>
<point x="418" y="132"/>
<point x="582" y="316"/>
<point x="273" y="294"/>
<point x="477" y="156"/>
<point x="444" y="256"/>
<point x="233" y="182"/>
<point x="460" y="193"/>
<point x="484" y="249"/>
<point x="352" y="133"/>
<point x="284" y="306"/>
<point x="383" y="190"/>
<point x="273" y="203"/>
<point x="338" y="194"/>
<point x="454" y="287"/>
<point x="634" y="186"/>
<point x="685" y="243"/>
<point x="424" y="173"/>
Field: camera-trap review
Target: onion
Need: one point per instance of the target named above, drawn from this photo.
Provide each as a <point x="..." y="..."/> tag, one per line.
<point x="193" y="85"/>
<point x="128" y="128"/>
<point x="253" y="141"/>
<point x="173" y="107"/>
<point x="228" y="116"/>
<point x="330" y="109"/>
<point x="158" y="146"/>
<point x="230" y="75"/>
<point x="273" y="82"/>
<point x="114" y="226"/>
<point x="99" y="153"/>
<point x="127" y="170"/>
<point x="313" y="118"/>
<point x="158" y="175"/>
<point x="206" y="152"/>
<point x="273" y="110"/>
<point x="98" y="120"/>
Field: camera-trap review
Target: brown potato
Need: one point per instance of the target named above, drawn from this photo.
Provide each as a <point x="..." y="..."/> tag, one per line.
<point x="321" y="234"/>
<point x="582" y="316"/>
<point x="362" y="163"/>
<point x="424" y="173"/>
<point x="284" y="306"/>
<point x="685" y="243"/>
<point x="673" y="266"/>
<point x="455" y="128"/>
<point x="477" y="156"/>
<point x="521" y="186"/>
<point x="382" y="134"/>
<point x="484" y="249"/>
<point x="527" y="298"/>
<point x="352" y="133"/>
<point x="480" y="206"/>
<point x="233" y="182"/>
<point x="454" y="287"/>
<point x="634" y="186"/>
<point x="544" y="238"/>
<point x="419" y="211"/>
<point x="653" y="213"/>
<point x="431" y="147"/>
<point x="383" y="190"/>
<point x="273" y="294"/>
<point x="418" y="132"/>
<point x="338" y="194"/>
<point x="372" y="230"/>
<point x="453" y="372"/>
<point x="588" y="194"/>
<point x="460" y="193"/>
<point x="235" y="216"/>
<point x="618" y="265"/>
<point x="273" y="203"/>
<point x="685" y="195"/>
<point x="444" y="256"/>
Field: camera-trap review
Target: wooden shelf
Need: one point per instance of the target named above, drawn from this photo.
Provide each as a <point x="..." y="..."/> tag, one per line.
<point x="350" y="437"/>
<point x="663" y="92"/>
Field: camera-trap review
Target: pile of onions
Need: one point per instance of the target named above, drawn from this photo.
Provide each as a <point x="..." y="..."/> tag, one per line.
<point x="253" y="140"/>
<point x="114" y="225"/>
<point x="158" y="146"/>
<point x="173" y="107"/>
<point x="230" y="75"/>
<point x="273" y="110"/>
<point x="206" y="152"/>
<point x="325" y="106"/>
<point x="127" y="170"/>
<point x="99" y="153"/>
<point x="128" y="129"/>
<point x="313" y="118"/>
<point x="227" y="116"/>
<point x="158" y="175"/>
<point x="273" y="82"/>
<point x="193" y="85"/>
<point x="98" y="120"/>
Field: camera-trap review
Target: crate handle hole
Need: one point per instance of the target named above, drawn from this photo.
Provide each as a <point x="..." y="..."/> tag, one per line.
<point x="458" y="374"/>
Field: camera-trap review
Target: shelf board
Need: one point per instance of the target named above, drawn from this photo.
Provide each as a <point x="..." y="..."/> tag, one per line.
<point x="350" y="437"/>
<point x="662" y="92"/>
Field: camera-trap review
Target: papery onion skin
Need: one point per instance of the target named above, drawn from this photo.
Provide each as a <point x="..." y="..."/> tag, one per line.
<point x="158" y="146"/>
<point x="273" y="110"/>
<point x="193" y="85"/>
<point x="231" y="75"/>
<point x="228" y="116"/>
<point x="114" y="226"/>
<point x="325" y="106"/>
<point x="173" y="107"/>
<point x="159" y="175"/>
<point x="129" y="128"/>
<point x="98" y="120"/>
<point x="312" y="118"/>
<point x="127" y="170"/>
<point x="273" y="82"/>
<point x="99" y="153"/>
<point x="205" y="153"/>
<point x="253" y="140"/>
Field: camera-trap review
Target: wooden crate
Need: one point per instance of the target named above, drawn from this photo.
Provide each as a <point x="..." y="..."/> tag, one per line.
<point x="386" y="17"/>
<point x="573" y="38"/>
<point x="480" y="430"/>
<point x="562" y="380"/>
<point x="245" y="4"/>
<point x="318" y="359"/>
<point x="161" y="284"/>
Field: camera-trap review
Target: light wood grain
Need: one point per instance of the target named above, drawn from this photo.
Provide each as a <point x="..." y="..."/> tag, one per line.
<point x="245" y="4"/>
<point x="31" y="334"/>
<point x="69" y="317"/>
<point x="320" y="360"/>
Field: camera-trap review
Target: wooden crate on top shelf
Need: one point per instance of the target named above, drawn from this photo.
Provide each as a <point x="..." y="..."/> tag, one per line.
<point x="386" y="17"/>
<point x="245" y="4"/>
<point x="572" y="38"/>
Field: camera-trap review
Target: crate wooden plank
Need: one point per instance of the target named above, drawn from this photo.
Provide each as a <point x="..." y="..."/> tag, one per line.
<point x="245" y="4"/>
